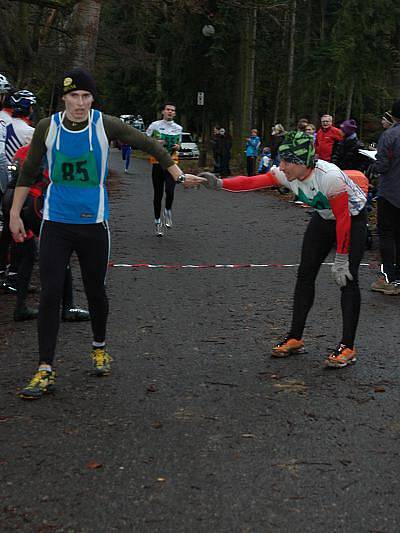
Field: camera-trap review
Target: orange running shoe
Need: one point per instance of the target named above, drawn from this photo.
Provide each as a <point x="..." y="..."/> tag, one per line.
<point x="288" y="347"/>
<point x="341" y="357"/>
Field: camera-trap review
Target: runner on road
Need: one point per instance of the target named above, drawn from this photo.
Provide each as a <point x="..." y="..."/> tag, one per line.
<point x="169" y="134"/>
<point x="339" y="216"/>
<point x="75" y="143"/>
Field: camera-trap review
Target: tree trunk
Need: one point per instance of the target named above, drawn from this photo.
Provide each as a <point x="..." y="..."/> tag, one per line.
<point x="86" y="16"/>
<point x="349" y="102"/>
<point x="245" y="84"/>
<point x="252" y="70"/>
<point x="291" y="61"/>
<point x="396" y="68"/>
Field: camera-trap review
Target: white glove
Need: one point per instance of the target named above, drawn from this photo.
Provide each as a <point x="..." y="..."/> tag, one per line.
<point x="212" y="181"/>
<point x="340" y="269"/>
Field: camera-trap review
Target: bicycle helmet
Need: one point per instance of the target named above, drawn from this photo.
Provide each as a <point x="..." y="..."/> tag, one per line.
<point x="21" y="102"/>
<point x="5" y="85"/>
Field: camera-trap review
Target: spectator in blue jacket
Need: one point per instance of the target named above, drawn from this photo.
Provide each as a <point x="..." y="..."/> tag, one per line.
<point x="252" y="149"/>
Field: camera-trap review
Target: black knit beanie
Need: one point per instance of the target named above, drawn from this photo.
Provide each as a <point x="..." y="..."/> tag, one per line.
<point x="78" y="79"/>
<point x="396" y="110"/>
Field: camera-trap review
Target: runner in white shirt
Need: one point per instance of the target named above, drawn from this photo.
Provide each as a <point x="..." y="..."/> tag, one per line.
<point x="19" y="132"/>
<point x="5" y="118"/>
<point x="169" y="134"/>
<point x="339" y="216"/>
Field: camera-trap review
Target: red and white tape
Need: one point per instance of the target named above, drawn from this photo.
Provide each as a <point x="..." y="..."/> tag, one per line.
<point x="205" y="266"/>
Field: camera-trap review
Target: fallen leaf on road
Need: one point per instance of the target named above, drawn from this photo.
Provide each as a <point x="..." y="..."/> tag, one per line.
<point x="291" y="385"/>
<point x="151" y="387"/>
<point x="156" y="424"/>
<point x="161" y="479"/>
<point x="248" y="435"/>
<point x="379" y="389"/>
<point x="92" y="465"/>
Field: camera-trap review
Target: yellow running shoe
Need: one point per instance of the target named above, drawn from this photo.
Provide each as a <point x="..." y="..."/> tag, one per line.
<point x="101" y="362"/>
<point x="288" y="347"/>
<point x="43" y="381"/>
<point x="341" y="357"/>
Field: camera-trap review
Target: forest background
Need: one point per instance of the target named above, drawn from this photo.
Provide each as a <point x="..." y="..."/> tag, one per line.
<point x="257" y="62"/>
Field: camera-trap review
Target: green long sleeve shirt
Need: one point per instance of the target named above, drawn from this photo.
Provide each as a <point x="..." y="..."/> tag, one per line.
<point x="115" y="130"/>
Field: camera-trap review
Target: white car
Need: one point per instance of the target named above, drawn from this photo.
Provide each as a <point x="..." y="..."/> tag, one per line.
<point x="188" y="149"/>
<point x="133" y="120"/>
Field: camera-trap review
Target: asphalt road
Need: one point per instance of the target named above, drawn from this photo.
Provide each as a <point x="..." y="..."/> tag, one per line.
<point x="198" y="429"/>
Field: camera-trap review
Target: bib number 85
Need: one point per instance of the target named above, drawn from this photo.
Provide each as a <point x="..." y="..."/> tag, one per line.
<point x="75" y="171"/>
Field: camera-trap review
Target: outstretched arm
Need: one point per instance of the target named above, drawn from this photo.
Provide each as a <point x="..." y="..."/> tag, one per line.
<point x="241" y="183"/>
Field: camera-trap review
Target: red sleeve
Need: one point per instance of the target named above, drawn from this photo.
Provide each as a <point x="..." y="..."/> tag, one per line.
<point x="249" y="183"/>
<point x="339" y="135"/>
<point x="340" y="208"/>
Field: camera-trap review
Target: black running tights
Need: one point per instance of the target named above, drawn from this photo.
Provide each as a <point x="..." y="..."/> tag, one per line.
<point x="318" y="240"/>
<point x="57" y="242"/>
<point x="162" y="178"/>
<point x="389" y="238"/>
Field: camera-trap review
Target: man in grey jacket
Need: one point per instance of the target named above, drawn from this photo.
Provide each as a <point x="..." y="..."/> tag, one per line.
<point x="388" y="167"/>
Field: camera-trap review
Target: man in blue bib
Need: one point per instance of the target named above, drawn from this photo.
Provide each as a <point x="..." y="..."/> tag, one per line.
<point x="75" y="143"/>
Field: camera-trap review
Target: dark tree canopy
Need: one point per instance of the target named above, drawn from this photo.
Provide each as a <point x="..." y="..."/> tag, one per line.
<point x="267" y="61"/>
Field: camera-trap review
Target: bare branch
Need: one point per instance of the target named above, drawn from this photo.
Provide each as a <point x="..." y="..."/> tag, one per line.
<point x="66" y="5"/>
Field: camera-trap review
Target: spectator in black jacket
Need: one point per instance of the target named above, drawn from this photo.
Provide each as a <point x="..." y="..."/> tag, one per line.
<point x="277" y="137"/>
<point x="387" y="166"/>
<point x="345" y="153"/>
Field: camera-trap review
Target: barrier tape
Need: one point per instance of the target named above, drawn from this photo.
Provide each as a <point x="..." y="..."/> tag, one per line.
<point x="237" y="266"/>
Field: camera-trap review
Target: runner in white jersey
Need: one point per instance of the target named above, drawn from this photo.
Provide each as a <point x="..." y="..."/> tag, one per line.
<point x="339" y="216"/>
<point x="169" y="134"/>
<point x="5" y="118"/>
<point x="19" y="132"/>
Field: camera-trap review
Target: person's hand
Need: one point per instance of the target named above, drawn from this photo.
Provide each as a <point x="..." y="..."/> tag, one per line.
<point x="176" y="147"/>
<point x="193" y="181"/>
<point x="17" y="228"/>
<point x="340" y="269"/>
<point x="212" y="182"/>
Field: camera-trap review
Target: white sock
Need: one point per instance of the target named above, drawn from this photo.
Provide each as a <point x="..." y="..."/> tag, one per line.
<point x="98" y="344"/>
<point x="44" y="366"/>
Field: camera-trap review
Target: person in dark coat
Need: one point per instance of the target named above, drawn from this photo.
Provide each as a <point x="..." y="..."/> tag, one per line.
<point x="346" y="152"/>
<point x="277" y="137"/>
<point x="225" y="146"/>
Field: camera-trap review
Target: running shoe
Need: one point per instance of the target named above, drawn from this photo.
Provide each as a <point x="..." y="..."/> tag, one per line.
<point x="75" y="314"/>
<point x="159" y="230"/>
<point x="341" y="357"/>
<point x="41" y="383"/>
<point x="288" y="346"/>
<point x="25" y="313"/>
<point x="101" y="362"/>
<point x="381" y="285"/>
<point x="168" y="218"/>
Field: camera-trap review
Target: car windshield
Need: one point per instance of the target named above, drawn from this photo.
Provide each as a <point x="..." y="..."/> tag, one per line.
<point x="187" y="138"/>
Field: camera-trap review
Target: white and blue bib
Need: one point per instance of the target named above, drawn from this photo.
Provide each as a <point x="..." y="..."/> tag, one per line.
<point x="78" y="168"/>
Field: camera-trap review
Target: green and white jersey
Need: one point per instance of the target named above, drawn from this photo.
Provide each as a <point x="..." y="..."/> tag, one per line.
<point x="167" y="130"/>
<point x="325" y="181"/>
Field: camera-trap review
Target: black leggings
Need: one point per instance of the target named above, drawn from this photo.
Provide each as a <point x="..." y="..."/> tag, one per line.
<point x="57" y="242"/>
<point x="389" y="239"/>
<point x="160" y="178"/>
<point x="251" y="161"/>
<point x="318" y="240"/>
